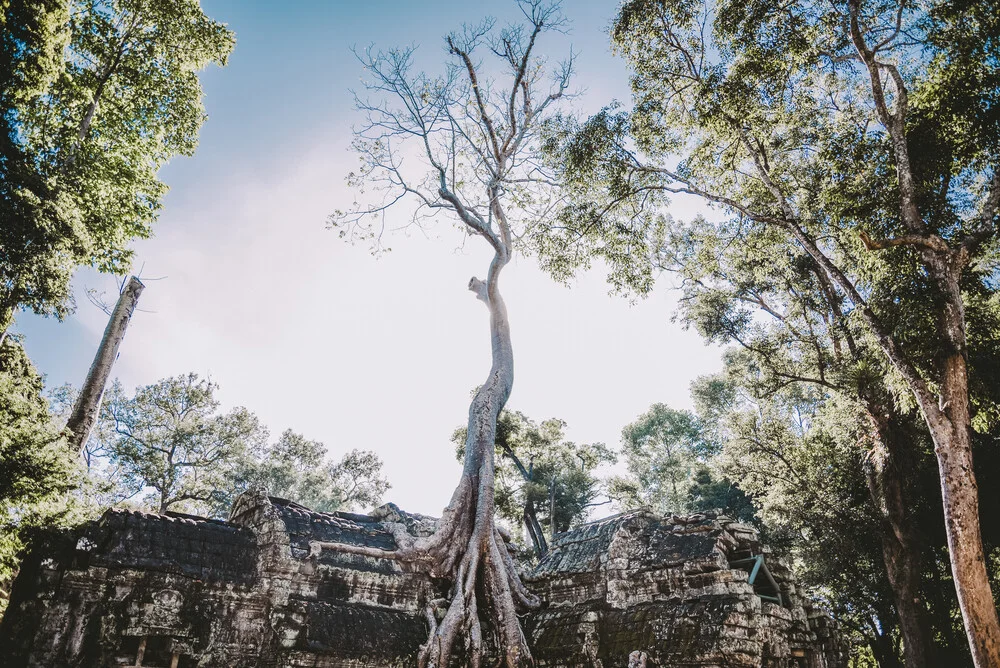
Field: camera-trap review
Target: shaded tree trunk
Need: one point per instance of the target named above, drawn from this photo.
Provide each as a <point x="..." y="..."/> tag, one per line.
<point x="6" y="320"/>
<point x="885" y="654"/>
<point x="552" y="510"/>
<point x="535" y="530"/>
<point x="885" y="474"/>
<point x="8" y="306"/>
<point x="88" y="404"/>
<point x="944" y="603"/>
<point x="530" y="516"/>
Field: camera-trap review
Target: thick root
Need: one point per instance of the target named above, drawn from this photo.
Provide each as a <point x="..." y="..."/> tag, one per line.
<point x="483" y="574"/>
<point x="469" y="550"/>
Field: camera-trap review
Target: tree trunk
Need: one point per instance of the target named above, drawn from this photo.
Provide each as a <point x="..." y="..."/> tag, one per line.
<point x="88" y="403"/>
<point x="898" y="536"/>
<point x="7" y="308"/>
<point x="467" y="548"/>
<point x="535" y="531"/>
<point x="950" y="424"/>
<point x="530" y="517"/>
<point x="968" y="564"/>
<point x="552" y="510"/>
<point x="885" y="654"/>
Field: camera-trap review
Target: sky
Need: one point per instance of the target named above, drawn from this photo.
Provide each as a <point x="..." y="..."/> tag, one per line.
<point x="245" y="285"/>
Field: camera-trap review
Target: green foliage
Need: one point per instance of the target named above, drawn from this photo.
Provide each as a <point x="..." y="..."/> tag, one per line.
<point x="36" y="471"/>
<point x="662" y="449"/>
<point x="673" y="457"/>
<point x="710" y="491"/>
<point x="171" y="445"/>
<point x="168" y="447"/>
<point x="532" y="458"/>
<point x="766" y="113"/>
<point x="800" y="458"/>
<point x="296" y="468"/>
<point x="96" y="97"/>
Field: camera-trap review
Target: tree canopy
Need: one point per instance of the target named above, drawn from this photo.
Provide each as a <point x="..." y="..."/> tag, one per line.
<point x="172" y="445"/>
<point x="854" y="144"/>
<point x="169" y="447"/>
<point x="297" y="468"/>
<point x="96" y="97"/>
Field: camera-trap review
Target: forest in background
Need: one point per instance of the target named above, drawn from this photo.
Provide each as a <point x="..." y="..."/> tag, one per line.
<point x="849" y="150"/>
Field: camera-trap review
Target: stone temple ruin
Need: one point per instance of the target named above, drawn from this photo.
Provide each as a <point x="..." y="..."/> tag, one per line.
<point x="177" y="591"/>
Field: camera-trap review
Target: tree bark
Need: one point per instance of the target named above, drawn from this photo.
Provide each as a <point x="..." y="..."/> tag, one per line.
<point x="960" y="494"/>
<point x="6" y="320"/>
<point x="948" y="418"/>
<point x="950" y="423"/>
<point x="898" y="536"/>
<point x="535" y="530"/>
<point x="88" y="404"/>
<point x="552" y="510"/>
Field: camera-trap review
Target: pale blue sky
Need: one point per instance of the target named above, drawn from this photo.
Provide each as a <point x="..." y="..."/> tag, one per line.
<point x="319" y="336"/>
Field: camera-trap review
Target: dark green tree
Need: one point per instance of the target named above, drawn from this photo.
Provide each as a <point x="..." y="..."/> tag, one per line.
<point x="36" y="472"/>
<point x="710" y="491"/>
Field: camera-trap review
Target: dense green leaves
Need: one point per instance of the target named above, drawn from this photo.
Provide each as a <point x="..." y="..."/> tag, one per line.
<point x="97" y="96"/>
<point x="36" y="471"/>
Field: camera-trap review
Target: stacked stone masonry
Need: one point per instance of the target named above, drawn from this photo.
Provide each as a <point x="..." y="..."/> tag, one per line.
<point x="258" y="590"/>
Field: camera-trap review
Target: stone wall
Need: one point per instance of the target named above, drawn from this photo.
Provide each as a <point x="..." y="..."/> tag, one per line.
<point x="663" y="590"/>
<point x="175" y="591"/>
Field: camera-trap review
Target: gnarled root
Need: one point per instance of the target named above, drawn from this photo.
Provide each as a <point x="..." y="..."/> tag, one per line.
<point x="470" y="551"/>
<point x="486" y="580"/>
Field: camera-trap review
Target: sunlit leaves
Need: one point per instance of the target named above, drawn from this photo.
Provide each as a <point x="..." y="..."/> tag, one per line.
<point x="85" y="134"/>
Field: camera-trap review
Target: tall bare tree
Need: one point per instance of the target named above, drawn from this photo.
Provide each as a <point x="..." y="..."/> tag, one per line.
<point x="87" y="407"/>
<point x="476" y="128"/>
